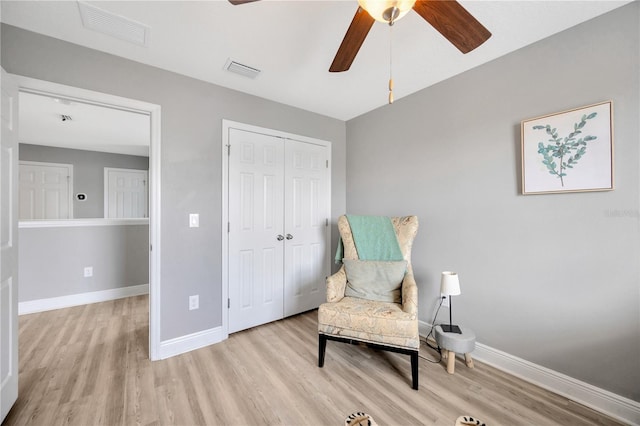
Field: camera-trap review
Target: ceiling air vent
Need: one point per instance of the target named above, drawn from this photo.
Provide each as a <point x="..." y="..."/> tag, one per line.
<point x="244" y="70"/>
<point x="100" y="20"/>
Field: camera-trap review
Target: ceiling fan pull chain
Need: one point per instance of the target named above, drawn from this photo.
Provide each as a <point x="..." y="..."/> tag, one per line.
<point x="390" y="62"/>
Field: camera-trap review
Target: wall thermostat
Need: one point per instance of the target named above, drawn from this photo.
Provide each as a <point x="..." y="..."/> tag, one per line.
<point x="81" y="197"/>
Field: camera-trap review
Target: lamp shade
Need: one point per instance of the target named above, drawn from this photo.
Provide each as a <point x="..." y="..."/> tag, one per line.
<point x="449" y="284"/>
<point x="377" y="8"/>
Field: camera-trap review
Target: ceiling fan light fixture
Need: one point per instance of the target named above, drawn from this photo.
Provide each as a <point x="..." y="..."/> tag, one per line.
<point x="387" y="11"/>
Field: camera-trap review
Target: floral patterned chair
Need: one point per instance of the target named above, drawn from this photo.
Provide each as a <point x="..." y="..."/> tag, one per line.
<point x="386" y="325"/>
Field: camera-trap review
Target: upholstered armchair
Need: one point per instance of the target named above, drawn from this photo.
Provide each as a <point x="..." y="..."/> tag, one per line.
<point x="381" y="323"/>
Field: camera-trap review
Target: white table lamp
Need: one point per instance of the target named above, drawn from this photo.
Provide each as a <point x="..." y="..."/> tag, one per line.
<point x="450" y="286"/>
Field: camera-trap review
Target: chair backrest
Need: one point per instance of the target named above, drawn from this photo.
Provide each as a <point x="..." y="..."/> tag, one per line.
<point x="406" y="228"/>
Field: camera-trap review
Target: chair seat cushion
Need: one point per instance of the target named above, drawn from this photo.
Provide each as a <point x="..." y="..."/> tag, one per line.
<point x="369" y="321"/>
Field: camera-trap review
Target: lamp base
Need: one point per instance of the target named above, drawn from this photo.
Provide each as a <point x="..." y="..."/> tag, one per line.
<point x="447" y="328"/>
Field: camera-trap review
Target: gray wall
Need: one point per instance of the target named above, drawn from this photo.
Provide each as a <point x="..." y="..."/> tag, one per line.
<point x="52" y="260"/>
<point x="553" y="279"/>
<point x="192" y="113"/>
<point x="88" y="172"/>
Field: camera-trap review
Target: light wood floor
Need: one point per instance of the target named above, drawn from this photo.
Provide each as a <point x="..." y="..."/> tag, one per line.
<point x="89" y="365"/>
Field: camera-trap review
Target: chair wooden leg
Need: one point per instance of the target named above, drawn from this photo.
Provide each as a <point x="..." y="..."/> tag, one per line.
<point x="322" y="345"/>
<point x="414" y="369"/>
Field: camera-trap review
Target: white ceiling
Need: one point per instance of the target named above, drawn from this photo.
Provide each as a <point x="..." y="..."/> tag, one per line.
<point x="90" y="127"/>
<point x="294" y="42"/>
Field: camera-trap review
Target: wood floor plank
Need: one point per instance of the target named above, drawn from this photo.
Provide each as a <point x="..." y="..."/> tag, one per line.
<point x="88" y="365"/>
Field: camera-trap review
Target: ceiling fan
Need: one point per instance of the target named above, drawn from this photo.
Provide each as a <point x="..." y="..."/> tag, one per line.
<point x="452" y="20"/>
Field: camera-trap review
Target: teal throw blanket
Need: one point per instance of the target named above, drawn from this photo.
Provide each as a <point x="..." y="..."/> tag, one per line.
<point x="374" y="238"/>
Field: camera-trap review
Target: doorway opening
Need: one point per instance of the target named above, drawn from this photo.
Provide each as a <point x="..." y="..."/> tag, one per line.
<point x="123" y="109"/>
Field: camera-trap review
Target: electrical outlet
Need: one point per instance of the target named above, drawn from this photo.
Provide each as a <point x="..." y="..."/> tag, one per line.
<point x="194" y="302"/>
<point x="194" y="220"/>
<point x="445" y="301"/>
<point x="88" y="271"/>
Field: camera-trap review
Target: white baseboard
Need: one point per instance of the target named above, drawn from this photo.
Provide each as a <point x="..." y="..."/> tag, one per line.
<point x="609" y="403"/>
<point x="41" y="305"/>
<point x="190" y="342"/>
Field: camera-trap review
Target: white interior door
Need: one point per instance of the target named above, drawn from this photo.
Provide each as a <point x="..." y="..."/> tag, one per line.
<point x="8" y="245"/>
<point x="256" y="210"/>
<point x="125" y="193"/>
<point x="45" y="190"/>
<point x="307" y="208"/>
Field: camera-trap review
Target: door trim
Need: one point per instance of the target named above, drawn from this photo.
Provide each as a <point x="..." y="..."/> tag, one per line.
<point x="32" y="85"/>
<point x="226" y="126"/>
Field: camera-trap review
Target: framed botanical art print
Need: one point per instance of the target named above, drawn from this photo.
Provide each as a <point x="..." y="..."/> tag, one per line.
<point x="569" y="151"/>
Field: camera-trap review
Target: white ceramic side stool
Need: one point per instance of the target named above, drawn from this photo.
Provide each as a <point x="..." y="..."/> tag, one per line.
<point x="453" y="343"/>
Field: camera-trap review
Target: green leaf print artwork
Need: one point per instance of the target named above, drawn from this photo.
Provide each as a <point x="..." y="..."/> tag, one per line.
<point x="561" y="154"/>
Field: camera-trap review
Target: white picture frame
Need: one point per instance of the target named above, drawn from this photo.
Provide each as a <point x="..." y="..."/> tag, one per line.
<point x="568" y="151"/>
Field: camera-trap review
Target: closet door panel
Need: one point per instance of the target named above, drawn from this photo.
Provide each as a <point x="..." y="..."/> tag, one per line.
<point x="256" y="208"/>
<point x="307" y="208"/>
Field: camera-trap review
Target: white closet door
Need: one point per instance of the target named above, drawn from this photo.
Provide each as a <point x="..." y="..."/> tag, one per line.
<point x="45" y="190"/>
<point x="125" y="193"/>
<point x="256" y="209"/>
<point x="307" y="203"/>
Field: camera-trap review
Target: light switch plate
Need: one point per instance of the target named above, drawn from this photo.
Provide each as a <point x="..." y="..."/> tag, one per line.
<point x="194" y="220"/>
<point x="194" y="302"/>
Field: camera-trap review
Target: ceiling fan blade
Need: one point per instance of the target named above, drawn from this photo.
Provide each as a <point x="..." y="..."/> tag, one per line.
<point x="237" y="2"/>
<point x="454" y="22"/>
<point x="353" y="39"/>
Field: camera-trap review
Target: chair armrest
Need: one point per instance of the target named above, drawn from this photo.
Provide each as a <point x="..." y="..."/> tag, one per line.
<point x="336" y="285"/>
<point x="409" y="294"/>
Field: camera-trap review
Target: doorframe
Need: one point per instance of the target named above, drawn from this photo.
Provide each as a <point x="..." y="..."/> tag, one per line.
<point x="227" y="125"/>
<point x="47" y="88"/>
